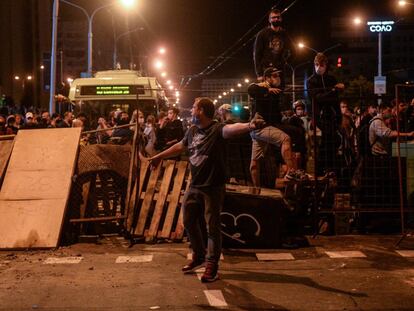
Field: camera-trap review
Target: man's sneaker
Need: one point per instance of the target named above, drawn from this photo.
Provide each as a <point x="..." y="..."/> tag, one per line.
<point x="193" y="265"/>
<point x="210" y="275"/>
<point x="297" y="175"/>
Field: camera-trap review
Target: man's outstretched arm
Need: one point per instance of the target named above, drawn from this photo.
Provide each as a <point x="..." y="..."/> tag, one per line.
<point x="174" y="150"/>
<point x="232" y="130"/>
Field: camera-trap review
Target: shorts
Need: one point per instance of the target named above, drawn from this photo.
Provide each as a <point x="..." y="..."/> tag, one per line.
<point x="265" y="136"/>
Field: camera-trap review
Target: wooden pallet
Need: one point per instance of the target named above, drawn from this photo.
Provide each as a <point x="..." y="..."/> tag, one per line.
<point x="157" y="202"/>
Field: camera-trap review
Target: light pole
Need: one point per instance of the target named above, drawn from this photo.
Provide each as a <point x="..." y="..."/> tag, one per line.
<point x="380" y="80"/>
<point x="53" y="57"/>
<point x="293" y="68"/>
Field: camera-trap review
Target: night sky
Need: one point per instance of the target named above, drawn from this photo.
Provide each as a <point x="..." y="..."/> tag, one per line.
<point x="196" y="32"/>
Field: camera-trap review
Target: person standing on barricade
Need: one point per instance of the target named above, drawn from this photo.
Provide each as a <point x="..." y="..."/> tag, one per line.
<point x="205" y="141"/>
<point x="324" y="90"/>
<point x="272" y="47"/>
<point x="266" y="103"/>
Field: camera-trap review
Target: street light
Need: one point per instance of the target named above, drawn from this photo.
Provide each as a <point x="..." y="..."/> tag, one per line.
<point x="301" y="45"/>
<point x="162" y="50"/>
<point x="294" y="78"/>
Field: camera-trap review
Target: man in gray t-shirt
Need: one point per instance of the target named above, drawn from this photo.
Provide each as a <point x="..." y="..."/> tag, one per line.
<point x="380" y="135"/>
<point x="204" y="199"/>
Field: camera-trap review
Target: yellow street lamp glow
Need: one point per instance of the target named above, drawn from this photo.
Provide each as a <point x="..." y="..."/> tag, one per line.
<point x="158" y="64"/>
<point x="29" y="78"/>
<point x="42" y="67"/>
<point x="164" y="74"/>
<point x="171" y="87"/>
<point x="246" y="80"/>
<point x="231" y="90"/>
<point x="224" y="93"/>
<point x="239" y="84"/>
<point x="168" y="82"/>
<point x="402" y="3"/>
<point x="162" y="50"/>
<point x="70" y="80"/>
<point x="215" y="101"/>
<point x="16" y="78"/>
<point x="357" y="21"/>
<point x="220" y="97"/>
<point x="128" y="3"/>
<point x="301" y="45"/>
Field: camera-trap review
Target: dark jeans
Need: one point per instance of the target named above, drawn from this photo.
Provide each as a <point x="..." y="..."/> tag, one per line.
<point x="203" y="207"/>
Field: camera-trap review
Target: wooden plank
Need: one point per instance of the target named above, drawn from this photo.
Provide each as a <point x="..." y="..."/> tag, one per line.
<point x="85" y="197"/>
<point x="6" y="148"/>
<point x="173" y="199"/>
<point x="97" y="219"/>
<point x="162" y="195"/>
<point x="36" y="187"/>
<point x="179" y="228"/>
<point x="146" y="204"/>
<point x="136" y="192"/>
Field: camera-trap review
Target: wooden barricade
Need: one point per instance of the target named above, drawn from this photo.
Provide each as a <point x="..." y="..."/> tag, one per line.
<point x="155" y="207"/>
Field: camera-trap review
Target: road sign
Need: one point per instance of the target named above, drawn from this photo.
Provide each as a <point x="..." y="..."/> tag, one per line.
<point x="380" y="85"/>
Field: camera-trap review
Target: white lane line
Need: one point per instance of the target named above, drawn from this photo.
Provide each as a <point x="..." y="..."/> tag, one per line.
<point x="406" y="253"/>
<point x="190" y="256"/>
<point x="62" y="260"/>
<point x="134" y="259"/>
<point x="274" y="256"/>
<point x="346" y="254"/>
<point x="215" y="298"/>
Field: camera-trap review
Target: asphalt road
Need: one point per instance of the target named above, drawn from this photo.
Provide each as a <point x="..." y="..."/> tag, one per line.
<point x="113" y="276"/>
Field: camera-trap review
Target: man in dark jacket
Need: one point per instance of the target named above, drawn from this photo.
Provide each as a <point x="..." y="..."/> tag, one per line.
<point x="324" y="90"/>
<point x="272" y="47"/>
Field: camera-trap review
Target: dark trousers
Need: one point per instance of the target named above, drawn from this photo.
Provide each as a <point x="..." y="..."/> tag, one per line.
<point x="202" y="207"/>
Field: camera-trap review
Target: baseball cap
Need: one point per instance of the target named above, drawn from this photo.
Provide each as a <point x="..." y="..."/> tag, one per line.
<point x="271" y="71"/>
<point x="29" y="115"/>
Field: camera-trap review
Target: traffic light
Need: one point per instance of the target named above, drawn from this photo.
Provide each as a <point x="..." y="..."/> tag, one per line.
<point x="339" y="62"/>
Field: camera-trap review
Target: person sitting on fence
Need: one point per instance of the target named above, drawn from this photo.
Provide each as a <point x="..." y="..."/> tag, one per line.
<point x="205" y="141"/>
<point x="266" y="103"/>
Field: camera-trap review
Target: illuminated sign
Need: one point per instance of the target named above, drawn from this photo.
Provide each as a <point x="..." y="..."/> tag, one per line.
<point x="107" y="90"/>
<point x="384" y="26"/>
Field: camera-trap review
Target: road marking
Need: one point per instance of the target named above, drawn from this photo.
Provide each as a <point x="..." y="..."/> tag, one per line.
<point x="134" y="259"/>
<point x="346" y="254"/>
<point x="190" y="256"/>
<point x="406" y="253"/>
<point x="274" y="256"/>
<point x="215" y="298"/>
<point x="62" y="260"/>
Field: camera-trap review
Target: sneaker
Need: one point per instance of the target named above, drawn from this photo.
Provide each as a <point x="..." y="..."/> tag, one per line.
<point x="210" y="275"/>
<point x="297" y="175"/>
<point x="193" y="265"/>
